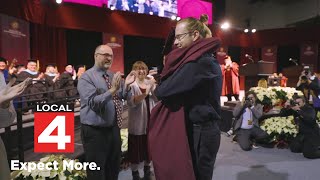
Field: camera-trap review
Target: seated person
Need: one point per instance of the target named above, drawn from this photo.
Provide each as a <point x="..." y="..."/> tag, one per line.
<point x="283" y="80"/>
<point x="246" y="121"/>
<point x="274" y="80"/>
<point x="308" y="139"/>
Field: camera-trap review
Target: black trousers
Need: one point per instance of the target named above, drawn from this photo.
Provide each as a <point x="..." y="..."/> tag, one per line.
<point x="204" y="142"/>
<point x="308" y="145"/>
<point x="245" y="137"/>
<point x="102" y="146"/>
<point x="236" y="96"/>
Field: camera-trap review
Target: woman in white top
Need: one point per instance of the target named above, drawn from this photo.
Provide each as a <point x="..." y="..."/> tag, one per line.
<point x="140" y="105"/>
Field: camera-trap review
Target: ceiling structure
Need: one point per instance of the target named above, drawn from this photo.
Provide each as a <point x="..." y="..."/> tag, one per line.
<point x="272" y="14"/>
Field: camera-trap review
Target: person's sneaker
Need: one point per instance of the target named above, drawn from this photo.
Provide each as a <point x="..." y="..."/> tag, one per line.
<point x="230" y="132"/>
<point x="255" y="146"/>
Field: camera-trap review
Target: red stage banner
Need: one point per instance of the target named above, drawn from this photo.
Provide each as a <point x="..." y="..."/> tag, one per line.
<point x="115" y="41"/>
<point x="309" y="55"/>
<point x="269" y="53"/>
<point x="14" y="39"/>
<point x="221" y="53"/>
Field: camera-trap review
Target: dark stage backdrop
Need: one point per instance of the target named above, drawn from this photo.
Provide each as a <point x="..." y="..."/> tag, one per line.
<point x="141" y="48"/>
<point x="234" y="52"/>
<point x="286" y="52"/>
<point x="81" y="46"/>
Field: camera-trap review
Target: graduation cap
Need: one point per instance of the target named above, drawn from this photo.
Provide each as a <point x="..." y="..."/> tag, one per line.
<point x="68" y="64"/>
<point x="51" y="65"/>
<point x="32" y="60"/>
<point x="19" y="66"/>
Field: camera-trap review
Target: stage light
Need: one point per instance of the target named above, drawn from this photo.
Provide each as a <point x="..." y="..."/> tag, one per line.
<point x="59" y="1"/>
<point x="253" y="30"/>
<point x="225" y="25"/>
<point x="173" y="17"/>
<point x="112" y="7"/>
<point x="178" y="18"/>
<point x="151" y="13"/>
<point x="246" y="30"/>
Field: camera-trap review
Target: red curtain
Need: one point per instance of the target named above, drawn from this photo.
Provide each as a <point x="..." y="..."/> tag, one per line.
<point x="48" y="44"/>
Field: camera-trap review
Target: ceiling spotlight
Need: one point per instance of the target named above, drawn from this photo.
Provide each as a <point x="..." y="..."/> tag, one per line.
<point x="112" y="7"/>
<point x="253" y="30"/>
<point x="151" y="13"/>
<point x="246" y="30"/>
<point x="225" y="25"/>
<point x="59" y="1"/>
<point x="173" y="17"/>
<point x="178" y="18"/>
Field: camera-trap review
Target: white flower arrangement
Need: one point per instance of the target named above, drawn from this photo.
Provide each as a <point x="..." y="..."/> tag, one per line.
<point x="274" y="95"/>
<point x="54" y="174"/>
<point x="124" y="140"/>
<point x="280" y="125"/>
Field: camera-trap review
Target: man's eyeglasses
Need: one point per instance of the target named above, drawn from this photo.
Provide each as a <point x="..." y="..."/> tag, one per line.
<point x="179" y="37"/>
<point x="106" y="55"/>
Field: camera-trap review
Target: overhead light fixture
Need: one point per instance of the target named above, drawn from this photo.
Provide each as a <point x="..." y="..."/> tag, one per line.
<point x="225" y="25"/>
<point x="151" y="13"/>
<point x="59" y="1"/>
<point x="173" y="17"/>
<point x="253" y="30"/>
<point x="178" y="18"/>
<point x="246" y="30"/>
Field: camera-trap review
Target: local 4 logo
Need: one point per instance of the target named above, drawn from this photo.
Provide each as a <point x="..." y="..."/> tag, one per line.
<point x="53" y="129"/>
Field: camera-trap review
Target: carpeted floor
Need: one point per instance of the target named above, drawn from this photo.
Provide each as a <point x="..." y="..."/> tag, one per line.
<point x="259" y="164"/>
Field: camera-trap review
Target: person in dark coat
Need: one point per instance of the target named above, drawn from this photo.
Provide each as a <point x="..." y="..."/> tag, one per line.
<point x="52" y="83"/>
<point x="38" y="84"/>
<point x="184" y="137"/>
<point x="308" y="139"/>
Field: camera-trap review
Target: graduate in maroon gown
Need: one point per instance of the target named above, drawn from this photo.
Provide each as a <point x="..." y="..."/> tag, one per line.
<point x="230" y="73"/>
<point x="184" y="137"/>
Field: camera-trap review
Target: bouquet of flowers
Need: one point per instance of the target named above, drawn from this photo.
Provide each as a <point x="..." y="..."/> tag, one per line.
<point x="124" y="140"/>
<point x="53" y="174"/>
<point x="280" y="129"/>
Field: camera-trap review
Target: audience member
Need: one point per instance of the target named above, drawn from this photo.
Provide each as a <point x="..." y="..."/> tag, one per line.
<point x="7" y="116"/>
<point x="101" y="92"/>
<point x="140" y="104"/>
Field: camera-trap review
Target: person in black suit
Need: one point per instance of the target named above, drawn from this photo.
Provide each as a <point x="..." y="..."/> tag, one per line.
<point x="308" y="139"/>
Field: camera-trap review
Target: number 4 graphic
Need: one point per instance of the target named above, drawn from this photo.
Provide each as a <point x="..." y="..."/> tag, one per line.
<point x="61" y="138"/>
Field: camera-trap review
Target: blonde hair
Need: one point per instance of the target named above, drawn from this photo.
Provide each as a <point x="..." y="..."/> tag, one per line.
<point x="140" y="65"/>
<point x="263" y="83"/>
<point x="194" y="24"/>
<point x="204" y="18"/>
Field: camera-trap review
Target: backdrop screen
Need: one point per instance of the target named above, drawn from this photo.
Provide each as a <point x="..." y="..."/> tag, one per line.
<point x="162" y="8"/>
<point x="98" y="3"/>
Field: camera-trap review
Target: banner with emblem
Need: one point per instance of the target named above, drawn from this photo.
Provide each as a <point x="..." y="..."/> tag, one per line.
<point x="15" y="39"/>
<point x="269" y="53"/>
<point x="221" y="54"/>
<point x="309" y="55"/>
<point x="115" y="41"/>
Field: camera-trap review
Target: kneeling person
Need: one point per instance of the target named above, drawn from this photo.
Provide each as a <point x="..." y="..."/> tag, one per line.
<point x="247" y="124"/>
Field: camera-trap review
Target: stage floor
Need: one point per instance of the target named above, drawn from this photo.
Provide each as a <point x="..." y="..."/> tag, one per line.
<point x="262" y="164"/>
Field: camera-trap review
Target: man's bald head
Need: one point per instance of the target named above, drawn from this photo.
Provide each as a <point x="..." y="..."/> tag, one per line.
<point x="103" y="57"/>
